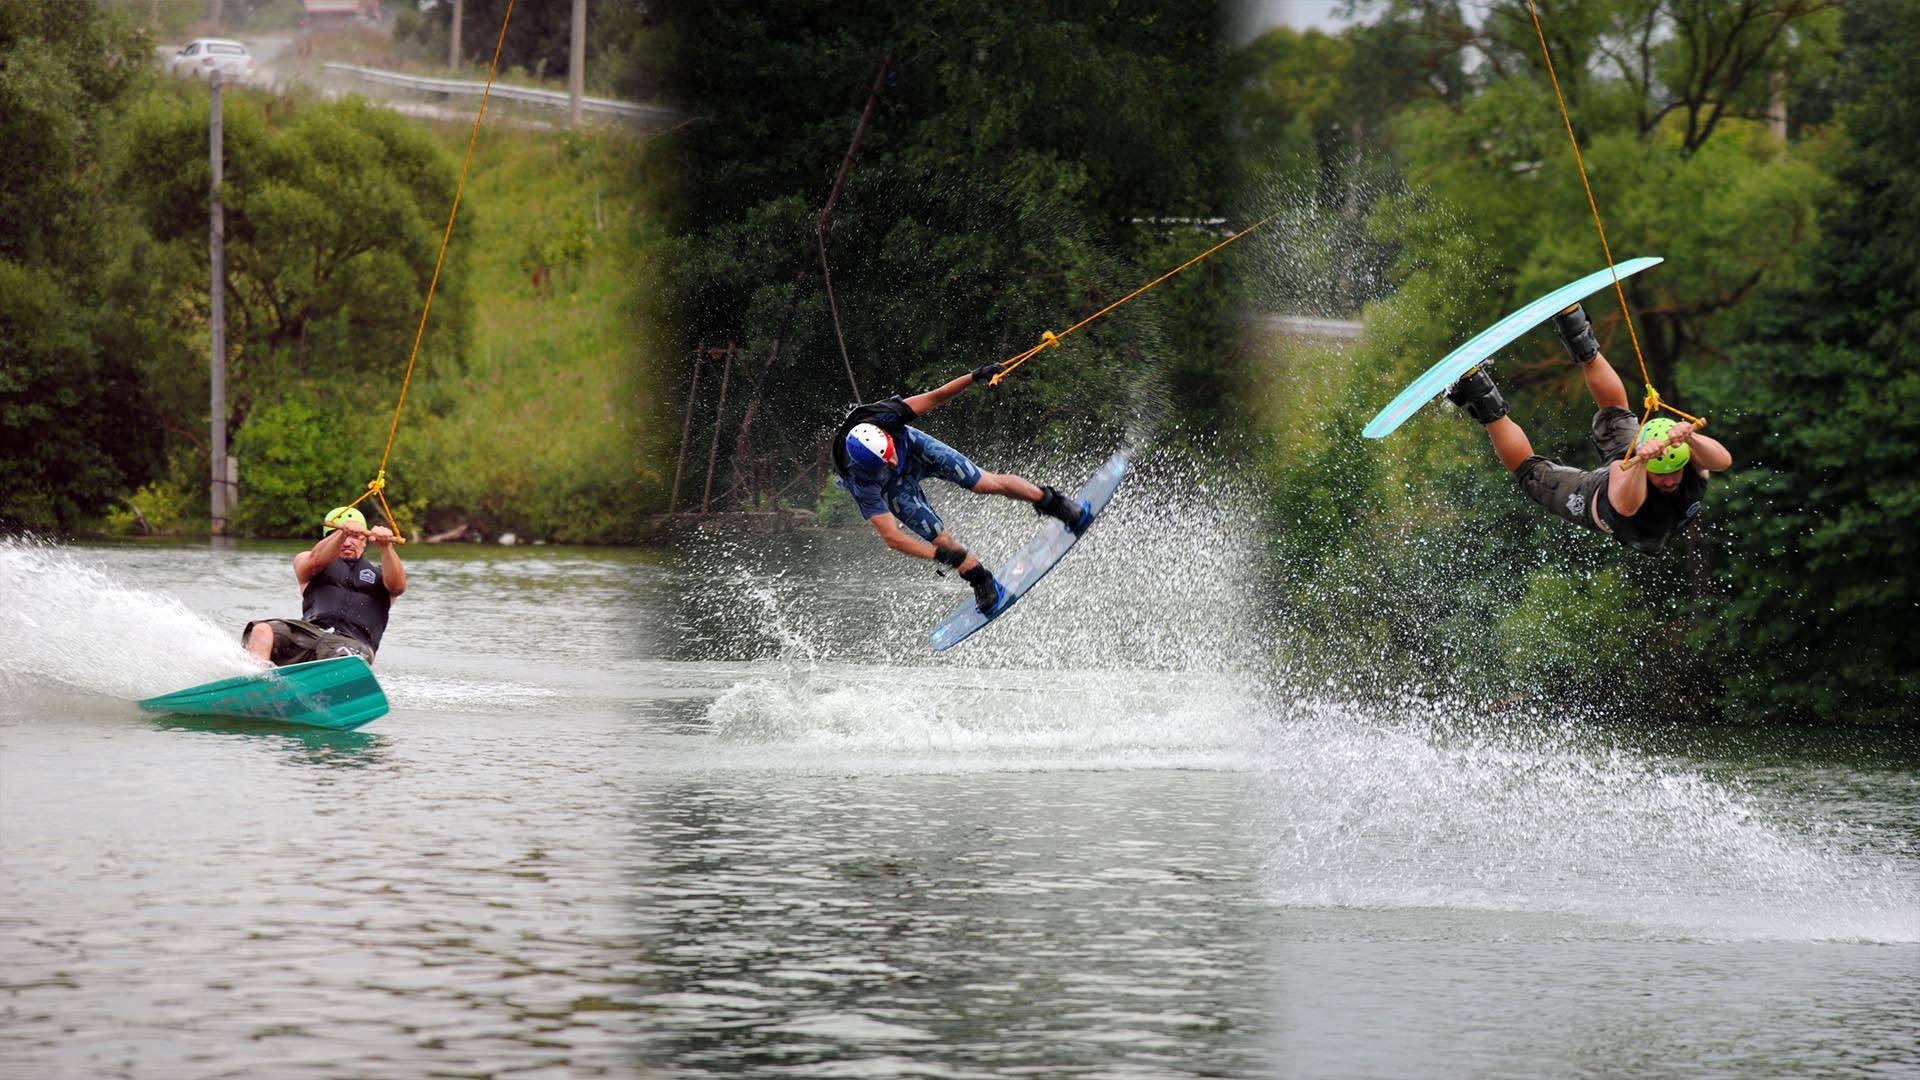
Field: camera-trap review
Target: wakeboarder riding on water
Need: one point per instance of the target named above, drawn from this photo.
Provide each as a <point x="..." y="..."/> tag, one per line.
<point x="881" y="461"/>
<point x="343" y="597"/>
<point x="1639" y="499"/>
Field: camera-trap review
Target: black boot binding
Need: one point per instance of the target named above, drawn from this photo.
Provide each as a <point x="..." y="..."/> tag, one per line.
<point x="1476" y="393"/>
<point x="1073" y="513"/>
<point x="986" y="591"/>
<point x="1576" y="333"/>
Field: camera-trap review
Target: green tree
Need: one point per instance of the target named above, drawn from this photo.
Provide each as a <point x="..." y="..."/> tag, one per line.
<point x="1001" y="189"/>
<point x="1428" y="556"/>
<point x="1820" y="587"/>
<point x="296" y="459"/>
<point x="1312" y="118"/>
<point x="334" y="215"/>
<point x="1667" y="100"/>
<point x="74" y="428"/>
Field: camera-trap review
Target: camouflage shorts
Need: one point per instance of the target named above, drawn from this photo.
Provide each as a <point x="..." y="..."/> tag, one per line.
<point x="1567" y="492"/>
<point x="296" y="641"/>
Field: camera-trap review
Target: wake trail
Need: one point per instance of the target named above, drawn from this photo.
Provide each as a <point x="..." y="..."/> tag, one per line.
<point x="1428" y="805"/>
<point x="72" y="625"/>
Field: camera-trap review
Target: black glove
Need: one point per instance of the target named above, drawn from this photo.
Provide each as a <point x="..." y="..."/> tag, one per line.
<point x="1576" y="333"/>
<point x="950" y="556"/>
<point x="985" y="373"/>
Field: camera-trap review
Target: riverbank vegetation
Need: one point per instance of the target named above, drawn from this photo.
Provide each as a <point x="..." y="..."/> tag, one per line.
<point x="1756" y="148"/>
<point x="529" y="409"/>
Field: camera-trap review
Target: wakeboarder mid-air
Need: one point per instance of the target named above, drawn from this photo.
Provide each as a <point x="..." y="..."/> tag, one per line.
<point x="343" y="597"/>
<point x="1640" y="498"/>
<point x="881" y="461"/>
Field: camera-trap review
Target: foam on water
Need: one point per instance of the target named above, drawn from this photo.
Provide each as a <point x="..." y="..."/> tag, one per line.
<point x="840" y="717"/>
<point x="1424" y="809"/>
<point x="1134" y="652"/>
<point x="70" y="624"/>
<point x="1145" y="650"/>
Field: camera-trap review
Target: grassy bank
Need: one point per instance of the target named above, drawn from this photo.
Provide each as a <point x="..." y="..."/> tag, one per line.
<point x="549" y="430"/>
<point x="544" y="426"/>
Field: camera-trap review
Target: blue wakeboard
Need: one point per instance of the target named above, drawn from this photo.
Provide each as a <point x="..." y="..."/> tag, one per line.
<point x="339" y="694"/>
<point x="1491" y="340"/>
<point x="1031" y="563"/>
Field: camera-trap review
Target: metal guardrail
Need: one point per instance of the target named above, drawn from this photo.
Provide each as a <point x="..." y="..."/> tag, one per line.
<point x="652" y="114"/>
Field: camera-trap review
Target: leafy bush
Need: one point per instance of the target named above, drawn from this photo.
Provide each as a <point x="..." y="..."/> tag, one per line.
<point x="299" y="461"/>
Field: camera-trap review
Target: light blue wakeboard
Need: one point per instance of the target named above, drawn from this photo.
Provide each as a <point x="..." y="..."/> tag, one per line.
<point x="1031" y="563"/>
<point x="339" y="694"/>
<point x="1491" y="340"/>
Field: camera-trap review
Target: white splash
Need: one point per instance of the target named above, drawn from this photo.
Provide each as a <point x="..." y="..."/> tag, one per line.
<point x="1413" y="807"/>
<point x="70" y="624"/>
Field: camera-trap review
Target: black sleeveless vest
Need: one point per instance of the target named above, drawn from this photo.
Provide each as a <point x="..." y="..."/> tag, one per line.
<point x="890" y="416"/>
<point x="349" y="596"/>
<point x="1660" y="516"/>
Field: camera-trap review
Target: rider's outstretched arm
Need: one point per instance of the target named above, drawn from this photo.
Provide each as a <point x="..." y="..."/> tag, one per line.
<point x="309" y="563"/>
<point x="1709" y="454"/>
<point x="922" y="404"/>
<point x="906" y="543"/>
<point x="900" y="539"/>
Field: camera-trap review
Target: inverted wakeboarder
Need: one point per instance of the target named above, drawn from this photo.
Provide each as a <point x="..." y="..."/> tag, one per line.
<point x="343" y="598"/>
<point x="1640" y="499"/>
<point x="881" y="461"/>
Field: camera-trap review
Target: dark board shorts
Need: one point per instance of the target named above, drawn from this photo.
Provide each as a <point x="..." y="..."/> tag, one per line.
<point x="296" y="641"/>
<point x="1567" y="492"/>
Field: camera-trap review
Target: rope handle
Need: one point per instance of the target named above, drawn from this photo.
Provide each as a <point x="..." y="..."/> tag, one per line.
<point x="1631" y="458"/>
<point x="377" y="487"/>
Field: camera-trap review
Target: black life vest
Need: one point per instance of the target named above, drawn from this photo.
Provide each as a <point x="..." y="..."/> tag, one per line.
<point x="1661" y="515"/>
<point x="348" y="596"/>
<point x="890" y="416"/>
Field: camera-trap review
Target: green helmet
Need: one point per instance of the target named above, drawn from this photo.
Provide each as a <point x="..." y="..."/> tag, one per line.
<point x="1674" y="458"/>
<point x="344" y="515"/>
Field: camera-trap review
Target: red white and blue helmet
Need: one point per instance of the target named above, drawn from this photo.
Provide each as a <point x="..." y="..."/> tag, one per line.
<point x="870" y="447"/>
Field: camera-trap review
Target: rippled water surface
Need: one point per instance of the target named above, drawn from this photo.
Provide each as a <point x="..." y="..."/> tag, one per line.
<point x="720" y="815"/>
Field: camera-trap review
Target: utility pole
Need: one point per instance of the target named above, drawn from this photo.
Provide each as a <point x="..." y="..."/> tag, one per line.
<point x="577" y="62"/>
<point x="217" y="243"/>
<point x="453" y="47"/>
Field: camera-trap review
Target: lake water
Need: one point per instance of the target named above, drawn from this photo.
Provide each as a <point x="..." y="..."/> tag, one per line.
<point x="719" y="813"/>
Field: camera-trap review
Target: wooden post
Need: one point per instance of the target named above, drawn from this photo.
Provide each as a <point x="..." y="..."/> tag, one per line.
<point x="713" y="454"/>
<point x="1777" y="107"/>
<point x="453" y="46"/>
<point x="217" y="245"/>
<point x="686" y="427"/>
<point x="577" y="63"/>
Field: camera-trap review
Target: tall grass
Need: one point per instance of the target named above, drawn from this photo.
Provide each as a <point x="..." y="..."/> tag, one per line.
<point x="550" y="429"/>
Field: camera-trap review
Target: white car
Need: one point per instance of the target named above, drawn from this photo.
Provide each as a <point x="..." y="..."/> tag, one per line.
<point x="202" y="56"/>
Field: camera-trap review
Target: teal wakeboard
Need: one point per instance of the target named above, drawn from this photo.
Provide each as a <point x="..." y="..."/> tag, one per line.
<point x="1491" y="340"/>
<point x="1031" y="563"/>
<point x="339" y="694"/>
